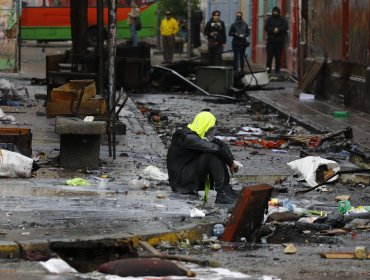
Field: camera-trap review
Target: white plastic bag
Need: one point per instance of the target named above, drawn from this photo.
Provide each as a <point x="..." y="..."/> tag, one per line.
<point x="14" y="164"/>
<point x="197" y="213"/>
<point x="306" y="167"/>
<point x="58" y="266"/>
<point x="154" y="173"/>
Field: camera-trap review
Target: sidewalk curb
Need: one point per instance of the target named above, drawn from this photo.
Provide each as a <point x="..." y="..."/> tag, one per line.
<point x="14" y="249"/>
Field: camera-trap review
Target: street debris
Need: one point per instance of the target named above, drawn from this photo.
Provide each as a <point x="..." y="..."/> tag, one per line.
<point x="197" y="213"/>
<point x="140" y="183"/>
<point x="289" y="248"/>
<point x="78" y="182"/>
<point x="58" y="266"/>
<point x="309" y="166"/>
<point x="13" y="164"/>
<point x="359" y="253"/>
<point x="143" y="267"/>
<point x="155" y="173"/>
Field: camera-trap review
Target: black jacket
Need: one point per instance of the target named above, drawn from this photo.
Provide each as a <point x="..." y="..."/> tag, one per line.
<point x="185" y="148"/>
<point x="240" y="31"/>
<point x="279" y="22"/>
<point x="215" y="32"/>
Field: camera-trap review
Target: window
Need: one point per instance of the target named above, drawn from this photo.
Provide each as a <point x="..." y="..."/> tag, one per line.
<point x="57" y="3"/>
<point x="32" y="3"/>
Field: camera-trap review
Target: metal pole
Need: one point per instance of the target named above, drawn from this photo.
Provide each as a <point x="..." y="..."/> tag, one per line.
<point x="158" y="31"/>
<point x="112" y="37"/>
<point x="189" y="29"/>
<point x="100" y="46"/>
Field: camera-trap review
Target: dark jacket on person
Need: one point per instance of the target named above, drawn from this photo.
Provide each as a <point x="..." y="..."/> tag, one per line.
<point x="185" y="148"/>
<point x="240" y="31"/>
<point x="215" y="32"/>
<point x="273" y="22"/>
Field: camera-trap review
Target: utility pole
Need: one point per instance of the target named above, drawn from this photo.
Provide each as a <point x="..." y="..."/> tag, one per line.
<point x="112" y="38"/>
<point x="189" y="29"/>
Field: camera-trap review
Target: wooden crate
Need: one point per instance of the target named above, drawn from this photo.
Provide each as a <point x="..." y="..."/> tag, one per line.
<point x="63" y="108"/>
<point x="66" y="91"/>
<point x="20" y="137"/>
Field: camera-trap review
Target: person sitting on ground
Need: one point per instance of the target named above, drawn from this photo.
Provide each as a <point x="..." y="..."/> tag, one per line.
<point x="197" y="161"/>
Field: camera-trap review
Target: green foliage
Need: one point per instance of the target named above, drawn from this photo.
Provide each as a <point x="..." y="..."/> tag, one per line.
<point x="178" y="8"/>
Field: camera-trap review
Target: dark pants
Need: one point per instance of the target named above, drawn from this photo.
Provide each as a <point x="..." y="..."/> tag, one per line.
<point x="215" y="55"/>
<point x="168" y="45"/>
<point x="274" y="51"/>
<point x="197" y="171"/>
<point x="239" y="56"/>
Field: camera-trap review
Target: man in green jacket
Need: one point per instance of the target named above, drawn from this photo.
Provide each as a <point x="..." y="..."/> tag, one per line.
<point x="198" y="161"/>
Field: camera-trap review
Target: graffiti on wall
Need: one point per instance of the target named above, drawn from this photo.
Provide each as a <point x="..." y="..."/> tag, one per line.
<point x="8" y="35"/>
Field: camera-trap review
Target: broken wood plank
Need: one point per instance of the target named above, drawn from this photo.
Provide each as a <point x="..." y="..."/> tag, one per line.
<point x="248" y="213"/>
<point x="90" y="107"/>
<point x="340" y="255"/>
<point x="158" y="254"/>
<point x="333" y="232"/>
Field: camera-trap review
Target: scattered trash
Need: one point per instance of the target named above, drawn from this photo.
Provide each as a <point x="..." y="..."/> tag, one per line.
<point x="78" y="182"/>
<point x="142" y="267"/>
<point x="218" y="230"/>
<point x="306" y="97"/>
<point x="344" y="206"/>
<point x="13" y="164"/>
<point x="341" y="114"/>
<point x="342" y="255"/>
<point x="6" y="118"/>
<point x="88" y="118"/>
<point x="307" y="167"/>
<point x="197" y="213"/>
<point x="361" y="252"/>
<point x="262" y="143"/>
<point x="288" y="205"/>
<point x="248" y="130"/>
<point x="160" y="196"/>
<point x="343" y="197"/>
<point x="102" y="181"/>
<point x="279" y="151"/>
<point x="289" y="248"/>
<point x="154" y="173"/>
<point x="58" y="266"/>
<point x="140" y="183"/>
<point x="215" y="247"/>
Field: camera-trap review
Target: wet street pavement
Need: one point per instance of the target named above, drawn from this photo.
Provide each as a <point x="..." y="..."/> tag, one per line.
<point x="44" y="210"/>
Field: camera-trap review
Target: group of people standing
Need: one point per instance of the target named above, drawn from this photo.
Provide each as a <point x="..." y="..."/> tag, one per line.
<point x="276" y="28"/>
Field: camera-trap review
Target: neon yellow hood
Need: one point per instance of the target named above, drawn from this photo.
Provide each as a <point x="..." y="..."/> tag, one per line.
<point x="202" y="122"/>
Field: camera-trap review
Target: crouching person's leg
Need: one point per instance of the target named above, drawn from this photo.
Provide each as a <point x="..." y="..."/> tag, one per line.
<point x="209" y="164"/>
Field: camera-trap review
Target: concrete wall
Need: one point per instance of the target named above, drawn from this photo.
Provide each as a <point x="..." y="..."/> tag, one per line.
<point x="9" y="35"/>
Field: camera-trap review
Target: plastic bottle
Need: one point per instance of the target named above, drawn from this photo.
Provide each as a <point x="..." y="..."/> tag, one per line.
<point x="288" y="205"/>
<point x="218" y="230"/>
<point x="140" y="183"/>
<point x="344" y="206"/>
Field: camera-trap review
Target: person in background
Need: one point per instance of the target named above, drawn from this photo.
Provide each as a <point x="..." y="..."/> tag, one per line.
<point x="196" y="21"/>
<point x="276" y="27"/>
<point x="168" y="28"/>
<point x="239" y="30"/>
<point x="197" y="161"/>
<point x="132" y="20"/>
<point x="216" y="34"/>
